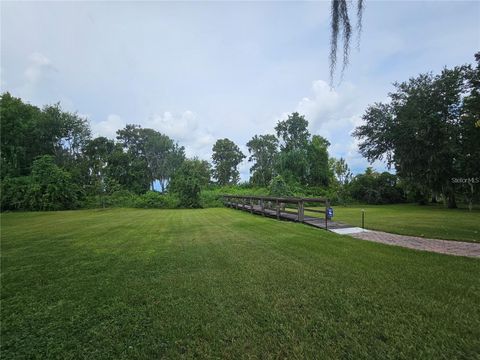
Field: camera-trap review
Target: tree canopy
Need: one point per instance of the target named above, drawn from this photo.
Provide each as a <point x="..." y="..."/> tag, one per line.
<point x="427" y="131"/>
<point x="226" y="158"/>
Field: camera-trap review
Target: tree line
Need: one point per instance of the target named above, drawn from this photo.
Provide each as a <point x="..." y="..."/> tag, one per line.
<point x="49" y="160"/>
<point x="429" y="132"/>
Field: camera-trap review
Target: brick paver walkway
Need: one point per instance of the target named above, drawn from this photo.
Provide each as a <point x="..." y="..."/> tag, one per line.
<point x="458" y="248"/>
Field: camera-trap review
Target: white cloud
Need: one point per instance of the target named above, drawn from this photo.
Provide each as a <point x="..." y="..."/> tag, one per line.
<point x="185" y="129"/>
<point x="38" y="68"/>
<point x="108" y="127"/>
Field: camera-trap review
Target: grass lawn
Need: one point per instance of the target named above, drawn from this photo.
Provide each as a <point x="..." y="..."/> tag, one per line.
<point x="409" y="219"/>
<point x="220" y="283"/>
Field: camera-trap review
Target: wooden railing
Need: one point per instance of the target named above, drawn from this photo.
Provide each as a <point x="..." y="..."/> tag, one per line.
<point x="281" y="206"/>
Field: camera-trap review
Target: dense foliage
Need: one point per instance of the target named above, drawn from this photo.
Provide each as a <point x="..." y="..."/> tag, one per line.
<point x="428" y="133"/>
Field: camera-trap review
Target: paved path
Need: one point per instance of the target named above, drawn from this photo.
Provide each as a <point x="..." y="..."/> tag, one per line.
<point x="449" y="247"/>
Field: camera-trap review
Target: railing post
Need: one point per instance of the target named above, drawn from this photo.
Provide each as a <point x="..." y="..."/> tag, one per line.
<point x="327" y="205"/>
<point x="262" y="207"/>
<point x="301" y="214"/>
<point x="251" y="206"/>
<point x="278" y="209"/>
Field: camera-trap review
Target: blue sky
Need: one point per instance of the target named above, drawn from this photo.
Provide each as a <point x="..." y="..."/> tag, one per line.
<point x="199" y="71"/>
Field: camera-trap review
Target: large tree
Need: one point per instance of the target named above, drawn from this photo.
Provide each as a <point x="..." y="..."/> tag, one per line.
<point x="420" y="131"/>
<point x="293" y="132"/>
<point x="188" y="181"/>
<point x="317" y="153"/>
<point x="292" y="161"/>
<point x="96" y="157"/>
<point x="226" y="158"/>
<point x="28" y="132"/>
<point x="263" y="150"/>
<point x="340" y="171"/>
<point x="18" y="123"/>
<point x="160" y="155"/>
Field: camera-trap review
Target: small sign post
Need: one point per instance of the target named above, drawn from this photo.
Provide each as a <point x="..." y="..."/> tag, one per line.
<point x="330" y="213"/>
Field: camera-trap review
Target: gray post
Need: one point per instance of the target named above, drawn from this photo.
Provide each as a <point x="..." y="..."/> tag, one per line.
<point x="251" y="206"/>
<point x="301" y="214"/>
<point x="278" y="209"/>
<point x="262" y="207"/>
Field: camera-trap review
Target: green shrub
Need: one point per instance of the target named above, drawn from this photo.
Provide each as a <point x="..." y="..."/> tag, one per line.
<point x="13" y="193"/>
<point x="210" y="199"/>
<point x="51" y="187"/>
<point x="156" y="200"/>
<point x="278" y="187"/>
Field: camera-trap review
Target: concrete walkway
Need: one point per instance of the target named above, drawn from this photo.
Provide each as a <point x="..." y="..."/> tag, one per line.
<point x="449" y="247"/>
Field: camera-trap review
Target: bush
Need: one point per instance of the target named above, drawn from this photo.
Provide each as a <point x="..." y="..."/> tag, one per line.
<point x="121" y="198"/>
<point x="375" y="188"/>
<point x="156" y="200"/>
<point x="278" y="187"/>
<point x="210" y="199"/>
<point x="51" y="187"/>
<point x="13" y="193"/>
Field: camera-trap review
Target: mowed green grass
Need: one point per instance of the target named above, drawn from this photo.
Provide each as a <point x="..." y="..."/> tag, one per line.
<point x="432" y="221"/>
<point x="220" y="283"/>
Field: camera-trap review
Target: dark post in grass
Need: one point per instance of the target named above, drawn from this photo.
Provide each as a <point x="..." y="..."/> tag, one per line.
<point x="363" y="218"/>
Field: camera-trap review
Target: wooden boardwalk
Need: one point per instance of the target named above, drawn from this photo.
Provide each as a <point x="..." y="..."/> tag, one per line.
<point x="258" y="205"/>
<point x="276" y="208"/>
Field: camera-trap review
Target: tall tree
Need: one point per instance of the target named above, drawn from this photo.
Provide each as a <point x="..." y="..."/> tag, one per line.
<point x="317" y="153"/>
<point x="226" y="158"/>
<point x="18" y="123"/>
<point x="293" y="132"/>
<point x="96" y="156"/>
<point x="188" y="181"/>
<point x="159" y="154"/>
<point x="341" y="171"/>
<point x="263" y="150"/>
<point x="28" y="132"/>
<point x="127" y="171"/>
<point x="419" y="131"/>
<point x="163" y="156"/>
<point x="469" y="137"/>
<point x="292" y="161"/>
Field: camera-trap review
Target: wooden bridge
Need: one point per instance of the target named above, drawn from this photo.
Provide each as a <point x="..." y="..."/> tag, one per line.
<point x="287" y="208"/>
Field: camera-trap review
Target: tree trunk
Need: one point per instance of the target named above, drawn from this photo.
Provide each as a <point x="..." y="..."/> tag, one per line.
<point x="470" y="198"/>
<point x="452" y="203"/>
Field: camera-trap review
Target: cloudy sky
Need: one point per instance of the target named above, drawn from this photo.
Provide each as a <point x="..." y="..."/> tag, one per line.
<point x="199" y="71"/>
